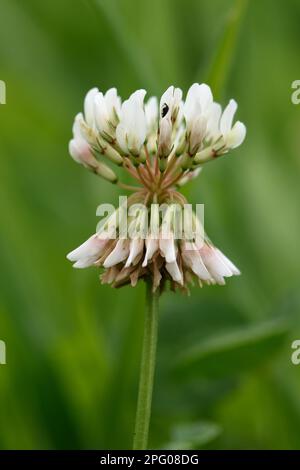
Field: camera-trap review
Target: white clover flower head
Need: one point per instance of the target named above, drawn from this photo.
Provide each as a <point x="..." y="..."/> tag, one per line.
<point x="163" y="145"/>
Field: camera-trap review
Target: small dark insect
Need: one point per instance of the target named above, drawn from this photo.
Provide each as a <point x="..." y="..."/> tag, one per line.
<point x="164" y="110"/>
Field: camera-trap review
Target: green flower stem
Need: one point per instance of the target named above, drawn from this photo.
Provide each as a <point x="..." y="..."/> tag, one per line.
<point x="143" y="411"/>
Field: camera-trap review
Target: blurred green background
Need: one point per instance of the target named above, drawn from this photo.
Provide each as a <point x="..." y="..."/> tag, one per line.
<point x="225" y="378"/>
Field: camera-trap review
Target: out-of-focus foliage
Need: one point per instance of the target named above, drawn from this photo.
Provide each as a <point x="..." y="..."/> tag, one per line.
<point x="224" y="378"/>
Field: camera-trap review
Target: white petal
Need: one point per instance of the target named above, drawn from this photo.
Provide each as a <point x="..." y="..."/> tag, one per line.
<point x="106" y="109"/>
<point x="132" y="128"/>
<point x="194" y="261"/>
<point x="138" y="96"/>
<point x="74" y="150"/>
<point x="121" y="135"/>
<point x="227" y="117"/>
<point x="177" y="94"/>
<point x="172" y="98"/>
<point x="84" y="263"/>
<point x="165" y="137"/>
<point x="89" y="106"/>
<point x="151" y="112"/>
<point x="192" y="104"/>
<point x="76" y="126"/>
<point x="214" y="264"/>
<point x="229" y="263"/>
<point x="174" y="271"/>
<point x="100" y="112"/>
<point x="119" y="254"/>
<point x="167" y="97"/>
<point x="91" y="247"/>
<point x="191" y="175"/>
<point x="236" y="136"/>
<point x="136" y="247"/>
<point x="112" y="100"/>
<point x="205" y="96"/>
<point x="82" y="129"/>
<point x="152" y="246"/>
<point x="198" y="100"/>
<point x="130" y="107"/>
<point x="213" y="120"/>
<point x="198" y="129"/>
<point x="167" y="248"/>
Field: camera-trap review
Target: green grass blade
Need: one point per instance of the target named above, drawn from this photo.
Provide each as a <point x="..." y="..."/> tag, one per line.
<point x="222" y="61"/>
<point x="137" y="57"/>
<point x="232" y="352"/>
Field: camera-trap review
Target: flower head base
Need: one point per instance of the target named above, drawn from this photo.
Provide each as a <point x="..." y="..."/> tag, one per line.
<point x="153" y="249"/>
<point x="162" y="147"/>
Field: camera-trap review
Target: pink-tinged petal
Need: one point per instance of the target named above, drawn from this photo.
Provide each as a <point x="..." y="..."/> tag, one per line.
<point x="74" y="151"/>
<point x="119" y="254"/>
<point x="193" y="260"/>
<point x="214" y="263"/>
<point x="80" y="151"/>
